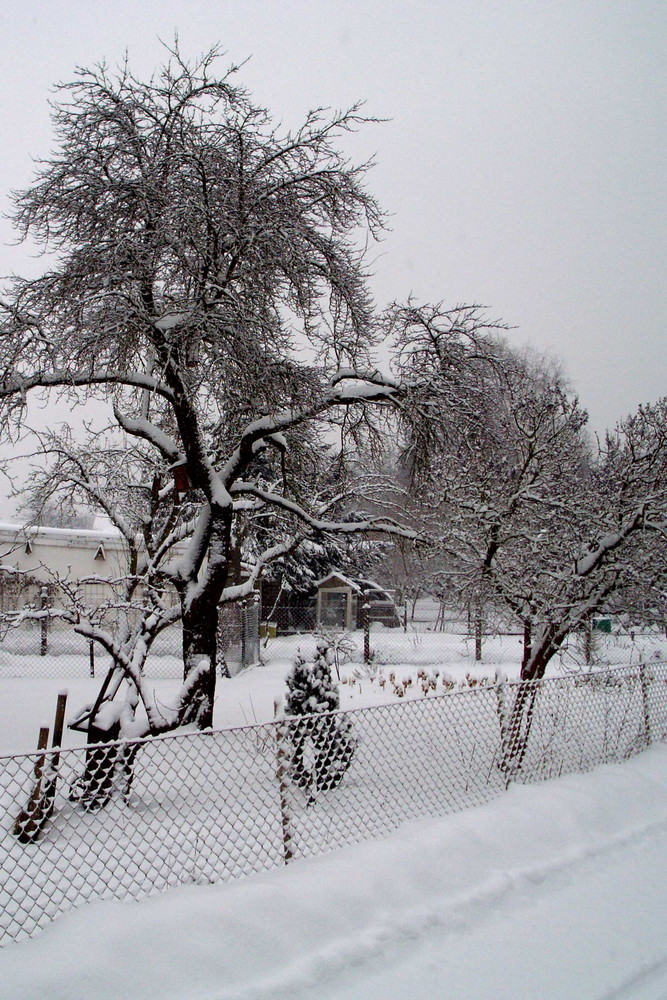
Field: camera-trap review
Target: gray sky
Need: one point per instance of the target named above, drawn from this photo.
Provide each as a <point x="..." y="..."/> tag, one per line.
<point x="523" y="165"/>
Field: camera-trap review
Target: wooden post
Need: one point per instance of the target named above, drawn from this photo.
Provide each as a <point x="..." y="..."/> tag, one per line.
<point x="50" y="785"/>
<point x="26" y="825"/>
<point x="30" y="823"/>
<point x="281" y="773"/>
<point x="59" y="723"/>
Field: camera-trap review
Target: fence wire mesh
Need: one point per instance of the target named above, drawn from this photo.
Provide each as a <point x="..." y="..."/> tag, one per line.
<point x="425" y="647"/>
<point x="127" y="819"/>
<point x="51" y="647"/>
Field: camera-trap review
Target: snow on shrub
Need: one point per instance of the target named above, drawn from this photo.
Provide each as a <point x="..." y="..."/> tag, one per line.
<point x="323" y="744"/>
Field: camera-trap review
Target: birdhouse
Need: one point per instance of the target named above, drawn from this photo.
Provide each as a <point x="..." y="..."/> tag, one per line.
<point x="181" y="478"/>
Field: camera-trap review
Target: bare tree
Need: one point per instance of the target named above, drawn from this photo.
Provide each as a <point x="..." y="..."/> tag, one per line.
<point x="208" y="290"/>
<point x="530" y="515"/>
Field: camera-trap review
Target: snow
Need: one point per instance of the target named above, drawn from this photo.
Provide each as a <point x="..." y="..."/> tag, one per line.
<point x="171" y="320"/>
<point x="352" y="393"/>
<point x="551" y="892"/>
<point x="104" y="530"/>
<point x="141" y="427"/>
<point x="28" y="698"/>
<point x="337" y="575"/>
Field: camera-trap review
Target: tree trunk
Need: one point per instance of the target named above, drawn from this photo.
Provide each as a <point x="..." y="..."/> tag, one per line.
<point x="200" y="621"/>
<point x="200" y="643"/>
<point x="518" y="730"/>
<point x="533" y="668"/>
<point x="527" y="644"/>
<point x="479" y="631"/>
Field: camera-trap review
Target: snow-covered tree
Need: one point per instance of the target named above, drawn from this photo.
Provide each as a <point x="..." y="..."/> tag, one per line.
<point x="529" y="515"/>
<point x="614" y="532"/>
<point x="322" y="744"/>
<point x="310" y="686"/>
<point x="204" y="287"/>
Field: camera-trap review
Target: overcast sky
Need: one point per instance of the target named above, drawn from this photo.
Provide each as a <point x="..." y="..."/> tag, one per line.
<point x="523" y="162"/>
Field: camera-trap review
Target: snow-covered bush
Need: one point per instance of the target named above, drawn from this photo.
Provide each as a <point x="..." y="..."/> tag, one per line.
<point x="322" y="743"/>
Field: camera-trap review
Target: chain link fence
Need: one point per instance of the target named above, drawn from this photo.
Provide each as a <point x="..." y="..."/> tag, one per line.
<point x="238" y="636"/>
<point x="50" y="647"/>
<point x="126" y="819"/>
<point x="431" y="641"/>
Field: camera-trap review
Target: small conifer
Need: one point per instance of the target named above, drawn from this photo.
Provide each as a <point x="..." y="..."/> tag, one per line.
<point x="322" y="747"/>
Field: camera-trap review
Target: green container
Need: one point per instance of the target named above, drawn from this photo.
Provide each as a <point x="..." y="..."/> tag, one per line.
<point x="602" y="625"/>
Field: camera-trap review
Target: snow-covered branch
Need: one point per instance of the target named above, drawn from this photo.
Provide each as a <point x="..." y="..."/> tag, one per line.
<point x="21" y="385"/>
<point x="142" y="428"/>
<point x="373" y="524"/>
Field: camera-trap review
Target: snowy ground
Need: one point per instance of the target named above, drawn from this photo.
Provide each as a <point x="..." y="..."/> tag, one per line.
<point x="28" y="698"/>
<point x="551" y="892"/>
<point x="28" y="702"/>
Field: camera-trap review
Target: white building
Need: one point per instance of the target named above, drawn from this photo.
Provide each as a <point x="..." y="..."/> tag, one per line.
<point x="32" y="557"/>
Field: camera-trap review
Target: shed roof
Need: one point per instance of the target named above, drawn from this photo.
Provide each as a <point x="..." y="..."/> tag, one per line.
<point x="346" y="581"/>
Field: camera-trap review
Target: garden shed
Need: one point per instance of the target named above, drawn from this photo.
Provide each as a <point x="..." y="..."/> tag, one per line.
<point x="340" y="601"/>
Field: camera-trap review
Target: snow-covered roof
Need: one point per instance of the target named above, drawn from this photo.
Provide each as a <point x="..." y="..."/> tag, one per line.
<point x="358" y="584"/>
<point x="61" y="536"/>
<point x="337" y="575"/>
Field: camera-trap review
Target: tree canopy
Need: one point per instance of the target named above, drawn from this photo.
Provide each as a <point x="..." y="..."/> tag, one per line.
<point x="206" y="283"/>
<point x="531" y="517"/>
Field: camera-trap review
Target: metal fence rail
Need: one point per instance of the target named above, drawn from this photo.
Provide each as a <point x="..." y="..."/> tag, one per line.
<point x="128" y="819"/>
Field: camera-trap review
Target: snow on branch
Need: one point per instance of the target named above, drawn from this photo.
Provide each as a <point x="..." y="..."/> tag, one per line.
<point x="156" y="718"/>
<point x="609" y="542"/>
<point x="142" y="428"/>
<point x="374" y="378"/>
<point x="376" y="389"/>
<point x="381" y="524"/>
<point x="186" y="566"/>
<point x="363" y="392"/>
<point x="19" y="386"/>
<point x="13" y="571"/>
<point x="241" y="590"/>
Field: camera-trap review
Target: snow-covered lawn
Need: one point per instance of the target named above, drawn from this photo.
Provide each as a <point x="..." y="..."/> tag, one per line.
<point x="551" y="892"/>
<point x="209" y="807"/>
<point x="29" y="685"/>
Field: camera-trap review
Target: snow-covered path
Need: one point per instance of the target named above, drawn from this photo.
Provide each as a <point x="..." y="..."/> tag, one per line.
<point x="552" y="892"/>
<point x="592" y="925"/>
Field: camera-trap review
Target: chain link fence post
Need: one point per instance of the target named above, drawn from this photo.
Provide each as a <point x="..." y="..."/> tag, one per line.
<point x="243" y="610"/>
<point x="282" y="768"/>
<point x="645" y="681"/>
<point x="366" y="623"/>
<point x="44" y="622"/>
<point x="254" y="628"/>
